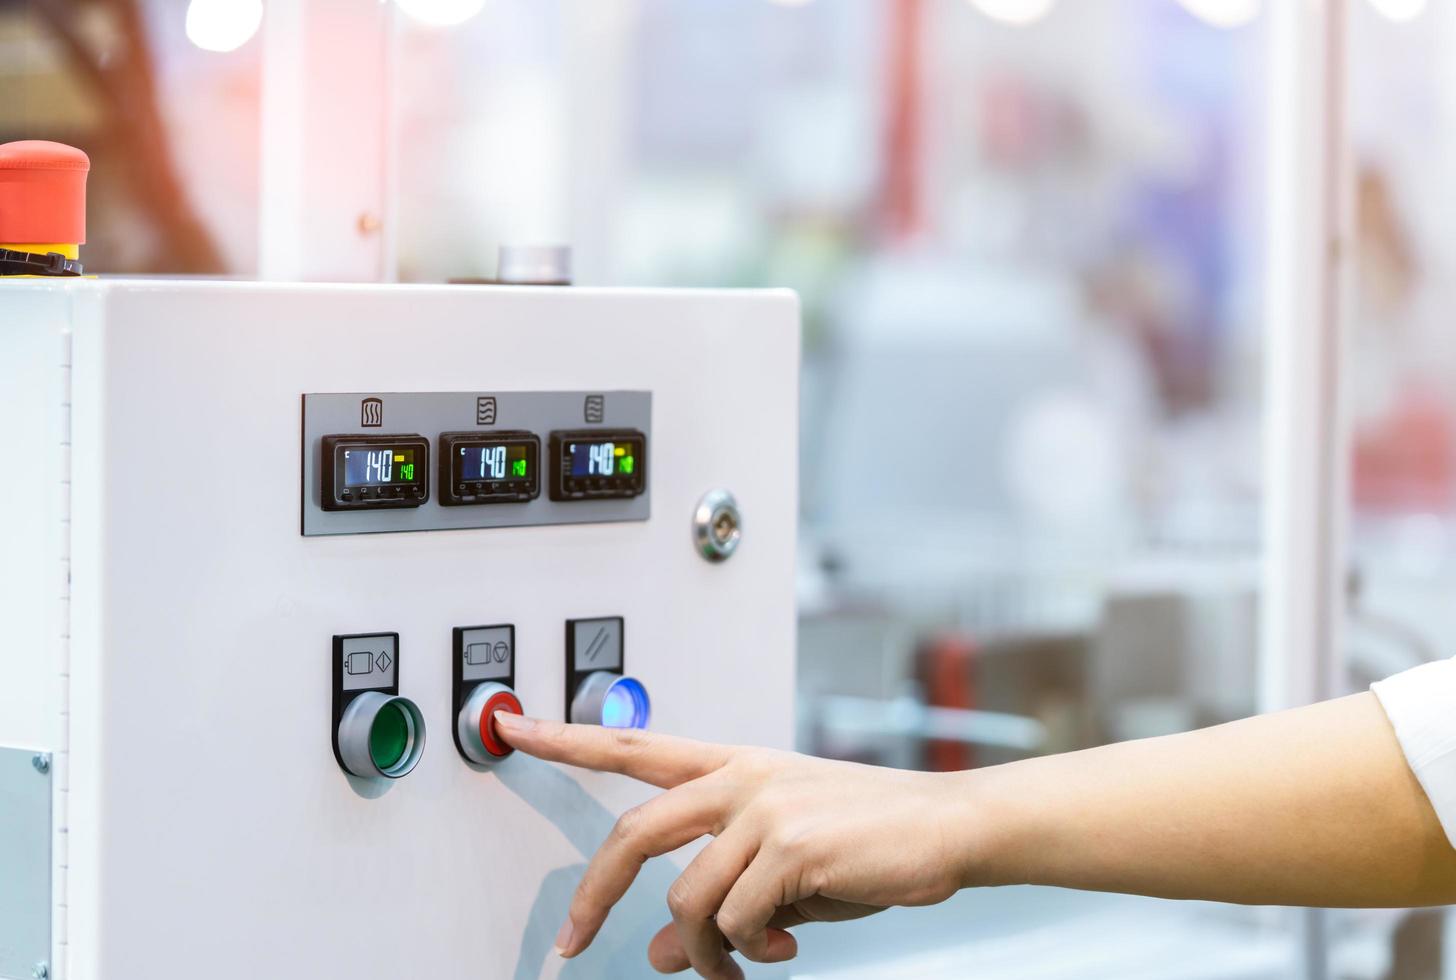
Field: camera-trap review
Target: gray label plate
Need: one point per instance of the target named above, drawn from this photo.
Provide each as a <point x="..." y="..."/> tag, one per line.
<point x="369" y="662"/>
<point x="597" y="643"/>
<point x="485" y="653"/>
<point x="431" y="413"/>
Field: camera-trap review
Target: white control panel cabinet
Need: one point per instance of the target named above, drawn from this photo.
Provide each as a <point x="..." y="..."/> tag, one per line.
<point x="263" y="547"/>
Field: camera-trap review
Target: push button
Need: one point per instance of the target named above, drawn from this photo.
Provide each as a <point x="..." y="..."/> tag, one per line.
<point x="377" y="733"/>
<point x="475" y="724"/>
<point x="612" y="701"/>
<point x="484" y="674"/>
<point x="598" y="692"/>
<point x="381" y="735"/>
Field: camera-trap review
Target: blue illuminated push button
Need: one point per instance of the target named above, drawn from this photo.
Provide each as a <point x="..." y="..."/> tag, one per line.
<point x="612" y="701"/>
<point x="598" y="689"/>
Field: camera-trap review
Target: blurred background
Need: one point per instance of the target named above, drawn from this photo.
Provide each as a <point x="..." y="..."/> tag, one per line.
<point x="1030" y="241"/>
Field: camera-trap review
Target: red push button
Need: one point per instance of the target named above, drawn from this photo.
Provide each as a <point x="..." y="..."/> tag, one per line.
<point x="500" y="701"/>
<point x="475" y="733"/>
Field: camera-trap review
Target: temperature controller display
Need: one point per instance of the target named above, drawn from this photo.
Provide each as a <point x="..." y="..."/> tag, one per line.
<point x="501" y="461"/>
<point x="379" y="467"/>
<point x="489" y="467"/>
<point x="602" y="458"/>
<point x="368" y="472"/>
<point x="598" y="463"/>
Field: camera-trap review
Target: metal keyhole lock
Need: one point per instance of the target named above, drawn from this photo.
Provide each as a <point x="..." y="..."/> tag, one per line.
<point x="717" y="526"/>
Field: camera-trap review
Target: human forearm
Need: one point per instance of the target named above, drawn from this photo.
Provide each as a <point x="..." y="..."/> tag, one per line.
<point x="1308" y="807"/>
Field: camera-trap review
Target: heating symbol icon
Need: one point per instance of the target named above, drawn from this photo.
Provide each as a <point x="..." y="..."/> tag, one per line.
<point x="371" y="412"/>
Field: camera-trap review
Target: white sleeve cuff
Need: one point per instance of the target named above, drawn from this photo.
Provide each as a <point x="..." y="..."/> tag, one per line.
<point x="1421" y="705"/>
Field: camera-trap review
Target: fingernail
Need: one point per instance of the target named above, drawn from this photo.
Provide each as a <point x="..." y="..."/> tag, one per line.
<point x="563" y="938"/>
<point x="513" y="722"/>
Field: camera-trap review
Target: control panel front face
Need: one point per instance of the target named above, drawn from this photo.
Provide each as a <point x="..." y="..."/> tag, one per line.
<point x="418" y="461"/>
<point x="389" y="843"/>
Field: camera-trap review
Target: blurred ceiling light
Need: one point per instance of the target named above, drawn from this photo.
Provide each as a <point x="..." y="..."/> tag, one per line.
<point x="223" y="25"/>
<point x="1019" y="12"/>
<point x="1399" y="10"/>
<point x="792" y="3"/>
<point x="1223" y="13"/>
<point x="441" y="13"/>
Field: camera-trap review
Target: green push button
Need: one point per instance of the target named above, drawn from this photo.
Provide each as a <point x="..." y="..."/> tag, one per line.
<point x="379" y="735"/>
<point x="389" y="736"/>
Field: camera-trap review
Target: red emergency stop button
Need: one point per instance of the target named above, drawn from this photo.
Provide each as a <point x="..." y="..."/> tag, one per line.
<point x="42" y="193"/>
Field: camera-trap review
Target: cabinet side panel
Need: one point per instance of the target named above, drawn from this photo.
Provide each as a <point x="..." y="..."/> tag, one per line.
<point x="35" y="366"/>
<point x="34" y="359"/>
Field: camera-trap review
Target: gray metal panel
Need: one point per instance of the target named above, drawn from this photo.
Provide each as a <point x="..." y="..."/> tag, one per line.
<point x="431" y="413"/>
<point x="25" y="863"/>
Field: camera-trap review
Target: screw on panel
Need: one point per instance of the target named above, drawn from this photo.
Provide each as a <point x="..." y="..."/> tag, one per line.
<point x="717" y="526"/>
<point x="723" y="527"/>
<point x="42" y="763"/>
<point x="40" y="971"/>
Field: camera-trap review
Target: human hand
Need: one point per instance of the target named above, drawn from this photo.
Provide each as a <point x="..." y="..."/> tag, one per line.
<point x="796" y="839"/>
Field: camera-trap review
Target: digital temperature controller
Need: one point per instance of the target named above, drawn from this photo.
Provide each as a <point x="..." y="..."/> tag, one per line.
<point x="592" y="464"/>
<point x="369" y="472"/>
<point x="489" y="467"/>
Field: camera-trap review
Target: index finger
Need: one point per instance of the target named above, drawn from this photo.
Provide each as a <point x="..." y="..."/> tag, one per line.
<point x="662" y="760"/>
